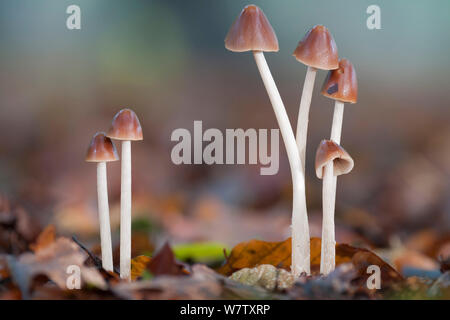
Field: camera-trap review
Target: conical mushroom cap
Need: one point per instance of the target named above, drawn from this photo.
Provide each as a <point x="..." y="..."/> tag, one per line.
<point x="125" y="126"/>
<point x="341" y="84"/>
<point x="330" y="151"/>
<point x="318" y="49"/>
<point x="101" y="149"/>
<point x="251" y="32"/>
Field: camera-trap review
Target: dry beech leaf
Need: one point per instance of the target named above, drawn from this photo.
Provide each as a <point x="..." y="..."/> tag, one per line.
<point x="138" y="265"/>
<point x="164" y="263"/>
<point x="45" y="238"/>
<point x="52" y="261"/>
<point x="256" y="252"/>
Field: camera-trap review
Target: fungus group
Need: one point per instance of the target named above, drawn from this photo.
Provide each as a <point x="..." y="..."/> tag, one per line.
<point x="317" y="50"/>
<point x="126" y="128"/>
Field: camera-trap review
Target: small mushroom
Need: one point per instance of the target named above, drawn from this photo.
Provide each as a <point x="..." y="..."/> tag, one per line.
<point x="102" y="150"/>
<point x="317" y="50"/>
<point x="125" y="127"/>
<point x="340" y="85"/>
<point x="252" y="32"/>
<point x="331" y="161"/>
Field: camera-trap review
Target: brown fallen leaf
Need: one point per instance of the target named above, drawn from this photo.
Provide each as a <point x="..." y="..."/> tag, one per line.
<point x="202" y="284"/>
<point x="45" y="238"/>
<point x="138" y="265"/>
<point x="164" y="263"/>
<point x="52" y="261"/>
<point x="256" y="252"/>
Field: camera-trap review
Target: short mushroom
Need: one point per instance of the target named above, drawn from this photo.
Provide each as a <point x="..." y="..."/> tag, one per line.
<point x="252" y="32"/>
<point x="102" y="150"/>
<point x="331" y="161"/>
<point x="317" y="50"/>
<point x="125" y="127"/>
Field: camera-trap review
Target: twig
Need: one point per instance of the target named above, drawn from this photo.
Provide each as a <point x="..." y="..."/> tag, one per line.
<point x="96" y="260"/>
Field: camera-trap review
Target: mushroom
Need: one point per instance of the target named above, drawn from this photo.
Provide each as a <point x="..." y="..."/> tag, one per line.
<point x="331" y="161"/>
<point x="102" y="150"/>
<point x="126" y="127"/>
<point x="252" y="32"/>
<point x="317" y="50"/>
<point x="340" y="85"/>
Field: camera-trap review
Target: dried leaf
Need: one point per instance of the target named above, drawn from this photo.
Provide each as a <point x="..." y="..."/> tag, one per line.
<point x="44" y="239"/>
<point x="164" y="263"/>
<point x="255" y="252"/>
<point x="138" y="265"/>
<point x="52" y="261"/>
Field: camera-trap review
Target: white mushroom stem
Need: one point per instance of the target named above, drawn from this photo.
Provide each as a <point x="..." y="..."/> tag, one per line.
<point x="299" y="227"/>
<point x="103" y="211"/>
<point x="336" y="127"/>
<point x="125" y="212"/>
<point x="303" y="113"/>
<point x="329" y="198"/>
<point x="327" y="254"/>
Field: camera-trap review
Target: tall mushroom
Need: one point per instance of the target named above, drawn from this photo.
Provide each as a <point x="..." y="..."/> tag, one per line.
<point x="317" y="50"/>
<point x="102" y="150"/>
<point x="252" y="32"/>
<point x="331" y="161"/>
<point x="340" y="85"/>
<point x="126" y="127"/>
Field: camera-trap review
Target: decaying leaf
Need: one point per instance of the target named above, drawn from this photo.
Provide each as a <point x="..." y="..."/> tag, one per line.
<point x="52" y="261"/>
<point x="255" y="252"/>
<point x="45" y="238"/>
<point x="265" y="276"/>
<point x="164" y="263"/>
<point x="138" y="265"/>
<point x="202" y="283"/>
<point x="199" y="285"/>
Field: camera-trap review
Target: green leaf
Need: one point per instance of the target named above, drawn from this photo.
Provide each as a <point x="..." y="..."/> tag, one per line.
<point x="200" y="251"/>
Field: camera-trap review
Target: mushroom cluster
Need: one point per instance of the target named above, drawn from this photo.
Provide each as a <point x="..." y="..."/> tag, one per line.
<point x="125" y="127"/>
<point x="317" y="50"/>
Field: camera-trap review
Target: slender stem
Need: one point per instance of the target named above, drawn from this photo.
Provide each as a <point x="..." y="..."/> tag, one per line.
<point x="336" y="127"/>
<point x="329" y="198"/>
<point x="125" y="212"/>
<point x="103" y="211"/>
<point x="327" y="255"/>
<point x="303" y="114"/>
<point x="300" y="228"/>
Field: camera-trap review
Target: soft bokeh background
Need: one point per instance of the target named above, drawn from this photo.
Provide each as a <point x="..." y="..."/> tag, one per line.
<point x="167" y="61"/>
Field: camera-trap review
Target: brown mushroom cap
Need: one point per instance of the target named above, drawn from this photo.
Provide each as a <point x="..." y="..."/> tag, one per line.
<point x="318" y="49"/>
<point x="251" y="32"/>
<point x="330" y="151"/>
<point x="125" y="126"/>
<point x="101" y="149"/>
<point x="341" y="83"/>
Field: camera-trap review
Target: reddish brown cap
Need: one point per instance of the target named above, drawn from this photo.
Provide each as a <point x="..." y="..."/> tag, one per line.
<point x="101" y="149"/>
<point x="251" y="32"/>
<point x="341" y="83"/>
<point x="125" y="126"/>
<point x="317" y="49"/>
<point x="330" y="151"/>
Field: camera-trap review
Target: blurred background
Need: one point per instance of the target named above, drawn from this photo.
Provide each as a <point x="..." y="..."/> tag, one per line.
<point x="166" y="60"/>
